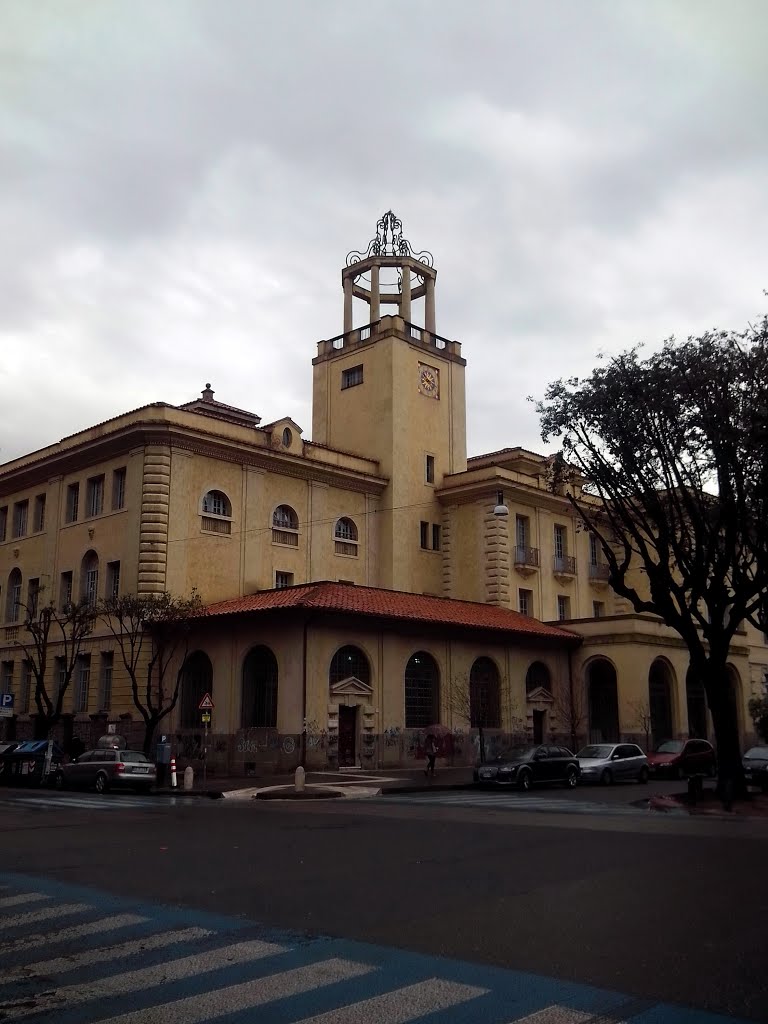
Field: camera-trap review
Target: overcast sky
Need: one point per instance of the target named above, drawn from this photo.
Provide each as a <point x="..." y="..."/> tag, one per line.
<point x="180" y="182"/>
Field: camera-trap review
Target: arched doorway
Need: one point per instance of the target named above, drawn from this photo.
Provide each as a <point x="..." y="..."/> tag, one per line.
<point x="198" y="680"/>
<point x="696" y="699"/>
<point x="603" y="702"/>
<point x="484" y="695"/>
<point x="538" y="688"/>
<point x="349" y="682"/>
<point x="660" y="702"/>
<point x="259" y="708"/>
<point x="422" y="691"/>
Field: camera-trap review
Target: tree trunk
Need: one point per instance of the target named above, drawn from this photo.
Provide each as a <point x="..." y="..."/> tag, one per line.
<point x="149" y="731"/>
<point x="42" y="726"/>
<point x="722" y="705"/>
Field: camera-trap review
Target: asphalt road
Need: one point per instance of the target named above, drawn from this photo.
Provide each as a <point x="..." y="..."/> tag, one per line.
<point x="658" y="908"/>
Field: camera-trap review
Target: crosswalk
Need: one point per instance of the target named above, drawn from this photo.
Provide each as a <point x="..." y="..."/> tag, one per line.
<point x="78" y="956"/>
<point x="44" y="800"/>
<point x="513" y="801"/>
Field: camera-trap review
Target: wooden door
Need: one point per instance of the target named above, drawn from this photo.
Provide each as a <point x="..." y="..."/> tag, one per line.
<point x="347" y="735"/>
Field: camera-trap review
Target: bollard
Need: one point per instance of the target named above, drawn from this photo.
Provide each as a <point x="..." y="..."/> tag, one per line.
<point x="189" y="777"/>
<point x="174" y="782"/>
<point x="298" y="780"/>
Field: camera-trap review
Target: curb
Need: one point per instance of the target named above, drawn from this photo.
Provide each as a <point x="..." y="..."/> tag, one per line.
<point x="437" y="788"/>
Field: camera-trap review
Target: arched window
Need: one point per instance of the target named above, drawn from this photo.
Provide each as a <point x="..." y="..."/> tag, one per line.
<point x="13" y="597"/>
<point x="422" y="691"/>
<point x="89" y="578"/>
<point x="537" y="676"/>
<point x="484" y="695"/>
<point x="197" y="681"/>
<point x="345" y="534"/>
<point x="347" y="662"/>
<point x="287" y="437"/>
<point x="216" y="503"/>
<point x="603" y="702"/>
<point x="259" y="689"/>
<point x="285" y="526"/>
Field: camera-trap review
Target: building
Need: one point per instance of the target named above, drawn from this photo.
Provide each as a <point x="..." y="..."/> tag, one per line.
<point x="356" y="583"/>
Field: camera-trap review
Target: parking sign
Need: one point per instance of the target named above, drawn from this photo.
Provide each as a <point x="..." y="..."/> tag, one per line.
<point x="6" y="705"/>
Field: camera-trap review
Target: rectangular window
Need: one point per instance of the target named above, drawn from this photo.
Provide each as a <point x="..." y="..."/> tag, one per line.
<point x="20" y="513"/>
<point x="33" y="594"/>
<point x="83" y="681"/>
<point x="521" y="531"/>
<point x="113" y="580"/>
<point x="73" y="502"/>
<point x="39" y="525"/>
<point x="598" y="609"/>
<point x="27" y="687"/>
<point x="525" y="602"/>
<point x="7" y="678"/>
<point x="95" y="496"/>
<point x="59" y="677"/>
<point x="563" y="607"/>
<point x="424" y="533"/>
<point x="430" y="469"/>
<point x="65" y="591"/>
<point x="14" y="602"/>
<point x="105" y="681"/>
<point x="352" y="377"/>
<point x="3" y="522"/>
<point x="435" y="537"/>
<point x="118" y="489"/>
<point x="283" y="579"/>
<point x="91" y="587"/>
<point x="594" y="551"/>
<point x="560" y="542"/>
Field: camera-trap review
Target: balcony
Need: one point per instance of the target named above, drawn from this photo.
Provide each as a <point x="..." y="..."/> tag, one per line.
<point x="526" y="560"/>
<point x="564" y="566"/>
<point x="11" y="633"/>
<point x="598" y="572"/>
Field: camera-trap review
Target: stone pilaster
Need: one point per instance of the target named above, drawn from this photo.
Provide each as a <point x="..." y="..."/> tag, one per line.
<point x="447" y="552"/>
<point x="496" y="552"/>
<point x="153" y="533"/>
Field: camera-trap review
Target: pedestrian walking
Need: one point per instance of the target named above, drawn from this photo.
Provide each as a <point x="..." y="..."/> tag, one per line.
<point x="431" y="749"/>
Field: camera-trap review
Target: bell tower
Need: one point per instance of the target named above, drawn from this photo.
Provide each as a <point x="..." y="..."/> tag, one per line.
<point x="392" y="389"/>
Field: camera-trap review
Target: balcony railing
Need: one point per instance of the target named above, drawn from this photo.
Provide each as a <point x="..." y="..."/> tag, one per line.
<point x="11" y="633"/>
<point x="211" y="525"/>
<point x="527" y="556"/>
<point x="346" y="548"/>
<point x="599" y="571"/>
<point x="285" y="537"/>
<point x="565" y="565"/>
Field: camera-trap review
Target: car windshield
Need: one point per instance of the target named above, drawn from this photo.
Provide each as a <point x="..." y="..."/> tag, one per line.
<point x="670" y="747"/>
<point x="758" y="753"/>
<point x="596" y="750"/>
<point x="133" y="755"/>
<point x="517" y="754"/>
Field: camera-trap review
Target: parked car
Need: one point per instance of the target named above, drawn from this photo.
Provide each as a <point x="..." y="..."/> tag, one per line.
<point x="755" y="763"/>
<point x="681" y="758"/>
<point x="612" y="762"/>
<point x="528" y="766"/>
<point x="107" y="769"/>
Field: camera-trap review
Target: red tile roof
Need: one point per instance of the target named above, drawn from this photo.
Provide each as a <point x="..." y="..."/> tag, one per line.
<point x="392" y="604"/>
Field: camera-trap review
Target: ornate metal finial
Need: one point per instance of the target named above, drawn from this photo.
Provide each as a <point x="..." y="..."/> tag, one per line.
<point x="389" y="241"/>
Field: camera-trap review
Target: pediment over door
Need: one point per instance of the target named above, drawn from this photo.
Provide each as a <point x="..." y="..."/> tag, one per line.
<point x="540" y="695"/>
<point x="351" y="687"/>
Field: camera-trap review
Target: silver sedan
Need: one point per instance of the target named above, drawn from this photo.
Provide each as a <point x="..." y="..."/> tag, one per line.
<point x="612" y="762"/>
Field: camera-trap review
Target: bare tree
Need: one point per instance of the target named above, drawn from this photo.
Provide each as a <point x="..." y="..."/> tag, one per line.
<point x="481" y="702"/>
<point x="644" y="719"/>
<point x="59" y="634"/>
<point x="570" y="709"/>
<point x="152" y="632"/>
<point x="665" y="461"/>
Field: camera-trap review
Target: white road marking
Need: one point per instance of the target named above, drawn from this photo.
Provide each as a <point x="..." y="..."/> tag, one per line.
<point x="62" y="910"/>
<point x="78" y="931"/>
<point x="224" y="1001"/>
<point x="60" y="965"/>
<point x="22" y="897"/>
<point x="556" y="1015"/>
<point x="146" y="977"/>
<point x="402" y="1005"/>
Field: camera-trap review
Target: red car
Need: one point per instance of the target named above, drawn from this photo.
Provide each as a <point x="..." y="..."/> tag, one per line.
<point x="681" y="758"/>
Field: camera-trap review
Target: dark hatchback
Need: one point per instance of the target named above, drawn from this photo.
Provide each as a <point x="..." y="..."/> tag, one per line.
<point x="755" y="763"/>
<point x="524" y="767"/>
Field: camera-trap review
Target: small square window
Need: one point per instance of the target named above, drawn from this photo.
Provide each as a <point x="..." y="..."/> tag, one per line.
<point x="283" y="579"/>
<point x="525" y="602"/>
<point x="430" y="469"/>
<point x="351" y="377"/>
<point x="598" y="609"/>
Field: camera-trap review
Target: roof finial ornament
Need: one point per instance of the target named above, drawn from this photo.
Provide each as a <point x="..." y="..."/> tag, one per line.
<point x="208" y="393"/>
<point x="389" y="241"/>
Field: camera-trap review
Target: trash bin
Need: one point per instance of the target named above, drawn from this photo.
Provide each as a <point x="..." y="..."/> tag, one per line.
<point x="25" y="765"/>
<point x="162" y="760"/>
<point x="5" y="766"/>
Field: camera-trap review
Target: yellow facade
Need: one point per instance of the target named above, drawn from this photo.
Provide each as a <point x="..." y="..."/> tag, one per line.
<point x="383" y="496"/>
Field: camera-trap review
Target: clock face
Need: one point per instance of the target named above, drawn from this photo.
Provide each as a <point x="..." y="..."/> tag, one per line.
<point x="429" y="380"/>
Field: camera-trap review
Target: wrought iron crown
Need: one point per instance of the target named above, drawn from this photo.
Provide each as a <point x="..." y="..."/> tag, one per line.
<point x="389" y="241"/>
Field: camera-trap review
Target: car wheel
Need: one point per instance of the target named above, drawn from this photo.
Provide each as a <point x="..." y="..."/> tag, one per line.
<point x="102" y="784"/>
<point x="643" y="776"/>
<point x="571" y="777"/>
<point x="524" y="781"/>
<point x="607" y="778"/>
<point x="59" y="781"/>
